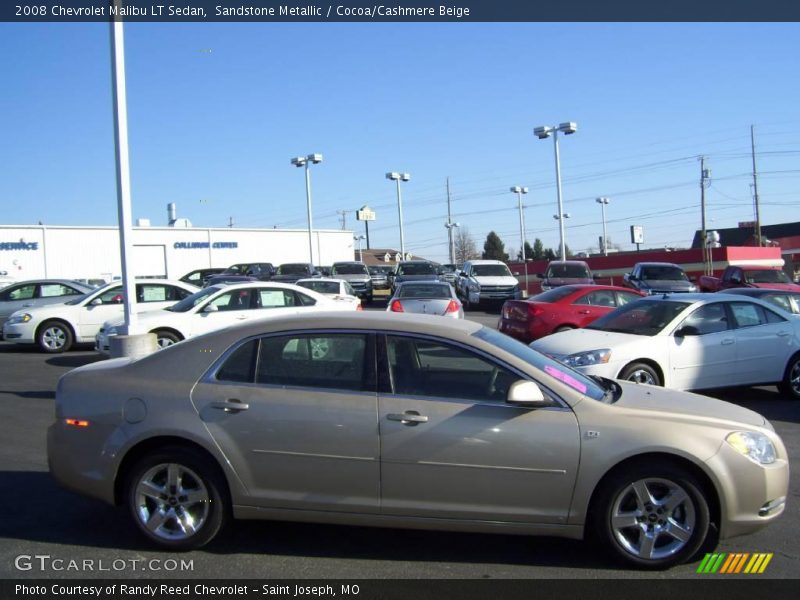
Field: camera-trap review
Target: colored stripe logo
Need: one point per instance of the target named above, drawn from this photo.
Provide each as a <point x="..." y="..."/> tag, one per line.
<point x="726" y="563"/>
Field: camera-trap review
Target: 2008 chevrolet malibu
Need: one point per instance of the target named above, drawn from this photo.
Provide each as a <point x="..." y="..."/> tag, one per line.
<point x="409" y="421"/>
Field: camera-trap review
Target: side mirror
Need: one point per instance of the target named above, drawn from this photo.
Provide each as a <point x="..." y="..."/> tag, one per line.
<point x="540" y="275"/>
<point x="736" y="280"/>
<point x="463" y="274"/>
<point x="687" y="330"/>
<point x="210" y="308"/>
<point x="525" y="393"/>
<point x="96" y="302"/>
<point x="628" y="277"/>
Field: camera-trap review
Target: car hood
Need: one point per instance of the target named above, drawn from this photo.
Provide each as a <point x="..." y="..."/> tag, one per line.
<point x="675" y="404"/>
<point x="145" y="317"/>
<point x="580" y="340"/>
<point x="290" y="278"/>
<point x="428" y="277"/>
<point x="354" y="277"/>
<point x="668" y="285"/>
<point x="495" y="279"/>
<point x="557" y="281"/>
<point x="787" y="287"/>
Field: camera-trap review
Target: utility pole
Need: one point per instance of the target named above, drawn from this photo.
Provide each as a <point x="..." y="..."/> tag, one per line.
<point x="344" y="218"/>
<point x="755" y="185"/>
<point x="704" y="178"/>
<point x="450" y="228"/>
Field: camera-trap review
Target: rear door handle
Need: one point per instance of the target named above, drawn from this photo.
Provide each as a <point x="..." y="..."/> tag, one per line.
<point x="231" y="405"/>
<point x="727" y="342"/>
<point x="410" y="417"/>
<point x="783" y="333"/>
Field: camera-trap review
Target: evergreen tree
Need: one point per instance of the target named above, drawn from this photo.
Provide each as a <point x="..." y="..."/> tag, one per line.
<point x="538" y="250"/>
<point x="494" y="248"/>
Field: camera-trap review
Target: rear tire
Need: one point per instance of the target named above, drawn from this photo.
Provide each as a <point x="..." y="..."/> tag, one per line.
<point x="640" y="373"/>
<point x="563" y="328"/>
<point x="176" y="498"/>
<point x="54" y="337"/>
<point x="651" y="517"/>
<point x="791" y="378"/>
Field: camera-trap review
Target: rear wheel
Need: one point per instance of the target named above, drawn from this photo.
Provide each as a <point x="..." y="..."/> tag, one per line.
<point x="563" y="328"/>
<point x="54" y="337"/>
<point x="177" y="500"/>
<point x="791" y="378"/>
<point x="652" y="516"/>
<point x="640" y="373"/>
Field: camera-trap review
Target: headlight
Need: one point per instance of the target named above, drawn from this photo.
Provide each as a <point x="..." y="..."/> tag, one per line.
<point x="585" y="359"/>
<point x="692" y="288"/>
<point x="23" y="318"/>
<point x="755" y="446"/>
<point x="474" y="287"/>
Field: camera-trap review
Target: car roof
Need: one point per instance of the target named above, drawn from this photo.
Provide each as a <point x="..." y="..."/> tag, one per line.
<point x="65" y="281"/>
<point x="656" y="264"/>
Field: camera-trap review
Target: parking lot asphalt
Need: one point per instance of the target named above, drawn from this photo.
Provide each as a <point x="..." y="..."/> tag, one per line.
<point x="42" y="519"/>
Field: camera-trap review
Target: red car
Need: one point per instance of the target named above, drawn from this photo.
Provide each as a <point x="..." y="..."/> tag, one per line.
<point x="561" y="308"/>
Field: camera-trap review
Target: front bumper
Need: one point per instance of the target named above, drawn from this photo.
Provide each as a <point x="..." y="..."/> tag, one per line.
<point x="20" y="333"/>
<point x="493" y="295"/>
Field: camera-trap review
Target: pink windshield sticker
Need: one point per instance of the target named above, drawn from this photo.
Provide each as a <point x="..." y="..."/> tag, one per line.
<point x="566" y="378"/>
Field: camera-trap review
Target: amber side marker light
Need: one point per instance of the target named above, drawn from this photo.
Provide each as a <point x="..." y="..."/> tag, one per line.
<point x="77" y="422"/>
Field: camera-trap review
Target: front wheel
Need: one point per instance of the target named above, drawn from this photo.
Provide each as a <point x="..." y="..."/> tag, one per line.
<point x="791" y="378"/>
<point x="166" y="338"/>
<point x="177" y="499"/>
<point x="54" y="337"/>
<point x="640" y="373"/>
<point x="652" y="517"/>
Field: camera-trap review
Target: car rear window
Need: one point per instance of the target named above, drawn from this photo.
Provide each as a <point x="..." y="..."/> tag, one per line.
<point x="553" y="295"/>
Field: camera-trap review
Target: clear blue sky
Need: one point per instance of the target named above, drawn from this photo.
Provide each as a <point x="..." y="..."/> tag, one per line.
<point x="217" y="110"/>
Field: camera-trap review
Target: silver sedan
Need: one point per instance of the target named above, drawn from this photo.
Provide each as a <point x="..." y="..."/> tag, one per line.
<point x="38" y="292"/>
<point x="426" y="297"/>
<point x="409" y="421"/>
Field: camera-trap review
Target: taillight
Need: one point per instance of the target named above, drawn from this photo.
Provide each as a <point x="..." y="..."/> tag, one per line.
<point x="534" y="310"/>
<point x="359" y="307"/>
<point x="452" y="307"/>
<point x="77" y="422"/>
<point x="396" y="306"/>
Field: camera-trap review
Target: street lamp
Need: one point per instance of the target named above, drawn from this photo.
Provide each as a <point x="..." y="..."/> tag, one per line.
<point x="518" y="190"/>
<point x="545" y="132"/>
<point x="602" y="202"/>
<point x="398" y="177"/>
<point x="306" y="161"/>
<point x="358" y="239"/>
<point x="451" y="235"/>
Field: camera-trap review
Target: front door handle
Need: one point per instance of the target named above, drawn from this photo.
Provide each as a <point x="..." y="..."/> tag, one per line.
<point x="410" y="417"/>
<point x="727" y="342"/>
<point x="231" y="405"/>
<point x="783" y="333"/>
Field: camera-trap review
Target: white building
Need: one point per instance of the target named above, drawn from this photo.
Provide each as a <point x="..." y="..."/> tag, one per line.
<point x="33" y="251"/>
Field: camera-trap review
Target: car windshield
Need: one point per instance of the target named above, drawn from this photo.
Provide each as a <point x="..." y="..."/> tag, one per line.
<point x="643" y="317"/>
<point x="769" y="276"/>
<point x="568" y="271"/>
<point x="376" y="271"/>
<point x="349" y="269"/>
<point x="190" y="302"/>
<point x="491" y="271"/>
<point x="788" y="302"/>
<point x="240" y="269"/>
<point x="416" y="269"/>
<point x="417" y="290"/>
<point x="554" y="295"/>
<point x="664" y="274"/>
<point x="94" y="293"/>
<point x="323" y="287"/>
<point x="293" y="269"/>
<point x="552" y="368"/>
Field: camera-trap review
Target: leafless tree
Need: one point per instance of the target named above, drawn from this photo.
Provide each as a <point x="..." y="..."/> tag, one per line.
<point x="465" y="248"/>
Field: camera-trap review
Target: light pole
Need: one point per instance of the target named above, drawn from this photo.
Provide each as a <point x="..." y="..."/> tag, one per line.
<point x="306" y="161"/>
<point x="358" y="239"/>
<point x="518" y="190"/>
<point x="602" y="202"/>
<point x="398" y="177"/>
<point x="561" y="223"/>
<point x="450" y="227"/>
<point x="545" y="132"/>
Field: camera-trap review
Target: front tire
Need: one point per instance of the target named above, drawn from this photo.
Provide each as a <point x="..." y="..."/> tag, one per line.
<point x="54" y="337"/>
<point x="177" y="500"/>
<point x="166" y="338"/>
<point x="640" y="373"/>
<point x="652" y="517"/>
<point x="791" y="378"/>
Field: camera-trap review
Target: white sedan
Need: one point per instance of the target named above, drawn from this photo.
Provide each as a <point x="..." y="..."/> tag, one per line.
<point x="55" y="328"/>
<point x="336" y="289"/>
<point x="219" y="306"/>
<point x="688" y="342"/>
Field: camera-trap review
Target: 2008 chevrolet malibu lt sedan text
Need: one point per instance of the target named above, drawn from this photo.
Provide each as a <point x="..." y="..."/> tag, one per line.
<point x="409" y="421"/>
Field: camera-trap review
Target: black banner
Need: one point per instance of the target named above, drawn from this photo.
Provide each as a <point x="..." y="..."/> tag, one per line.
<point x="400" y="10"/>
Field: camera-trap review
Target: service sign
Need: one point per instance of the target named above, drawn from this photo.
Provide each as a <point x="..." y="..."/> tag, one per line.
<point x="365" y="213"/>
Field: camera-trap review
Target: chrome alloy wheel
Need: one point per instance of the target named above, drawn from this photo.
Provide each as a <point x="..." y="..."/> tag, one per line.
<point x="794" y="378"/>
<point x="641" y="376"/>
<point x="54" y="337"/>
<point x="653" y="518"/>
<point x="163" y="342"/>
<point x="172" y="502"/>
